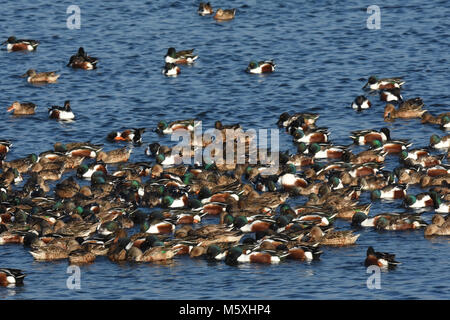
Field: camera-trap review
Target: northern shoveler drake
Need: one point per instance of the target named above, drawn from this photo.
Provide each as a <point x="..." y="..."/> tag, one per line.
<point x="391" y="95"/>
<point x="171" y="70"/>
<point x="158" y="226"/>
<point x="5" y="146"/>
<point x="440" y="143"/>
<point x="439" y="206"/>
<point x="333" y="238"/>
<point x="85" y="171"/>
<point x="261" y="66"/>
<point x="227" y="14"/>
<point x="14" y="44"/>
<point x="168" y="128"/>
<point x="11" y="277"/>
<point x="392" y="146"/>
<point x="22" y="108"/>
<point x="114" y="156"/>
<point x="180" y="57"/>
<point x="380" y="259"/>
<point x="238" y="255"/>
<point x="362" y="137"/>
<point x="319" y="135"/>
<point x="61" y="113"/>
<point x="205" y="9"/>
<point x="82" y="61"/>
<point x="360" y="219"/>
<point x="41" y="77"/>
<point x="409" y="109"/>
<point x="385" y="83"/>
<point x="421" y="200"/>
<point x="425" y="161"/>
<point x="134" y="135"/>
<point x="304" y="253"/>
<point x="390" y="192"/>
<point x="360" y="103"/>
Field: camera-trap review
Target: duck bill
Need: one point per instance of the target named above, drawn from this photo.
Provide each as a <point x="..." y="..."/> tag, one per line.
<point x="365" y="86"/>
<point x="24" y="75"/>
<point x="11" y="108"/>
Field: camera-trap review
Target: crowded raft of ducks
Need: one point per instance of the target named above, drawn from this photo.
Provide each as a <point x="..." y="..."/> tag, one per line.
<point x="77" y="201"/>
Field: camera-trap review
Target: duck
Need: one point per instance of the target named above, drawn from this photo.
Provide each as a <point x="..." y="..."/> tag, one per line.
<point x="237" y="255"/>
<point x="420" y="200"/>
<point x="261" y="66"/>
<point x="380" y="259"/>
<point x="81" y="256"/>
<point x="427" y="117"/>
<point x="360" y="219"/>
<point x="391" y="95"/>
<point x="61" y="113"/>
<point x="41" y="77"/>
<point x="180" y="57"/>
<point x="333" y="238"/>
<point x="205" y="9"/>
<point x="171" y="70"/>
<point x="400" y="222"/>
<point x="134" y="135"/>
<point x="391" y="146"/>
<point x="362" y="137"/>
<point x="14" y="44"/>
<point x="386" y="83"/>
<point x="224" y="14"/>
<point x="167" y="128"/>
<point x="5" y="146"/>
<point x="440" y="143"/>
<point x="22" y="108"/>
<point x="85" y="171"/>
<point x="114" y="156"/>
<point x="285" y="119"/>
<point x="391" y="191"/>
<point x="361" y="102"/>
<point x="22" y="164"/>
<point x="11" y="277"/>
<point x="319" y="135"/>
<point x="439" y="226"/>
<point x="82" y="61"/>
<point x="409" y="109"/>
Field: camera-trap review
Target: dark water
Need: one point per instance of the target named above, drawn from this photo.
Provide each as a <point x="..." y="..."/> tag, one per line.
<point x="322" y="52"/>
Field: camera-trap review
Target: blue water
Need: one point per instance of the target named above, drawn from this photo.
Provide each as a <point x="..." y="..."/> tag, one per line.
<point x="322" y="51"/>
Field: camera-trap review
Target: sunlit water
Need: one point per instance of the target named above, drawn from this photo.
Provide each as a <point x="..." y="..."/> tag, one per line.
<point x="322" y="51"/>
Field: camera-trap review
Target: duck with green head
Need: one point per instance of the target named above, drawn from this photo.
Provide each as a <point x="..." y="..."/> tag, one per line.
<point x="261" y="66"/>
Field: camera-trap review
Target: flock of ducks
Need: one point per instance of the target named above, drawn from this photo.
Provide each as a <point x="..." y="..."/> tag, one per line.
<point x="221" y="212"/>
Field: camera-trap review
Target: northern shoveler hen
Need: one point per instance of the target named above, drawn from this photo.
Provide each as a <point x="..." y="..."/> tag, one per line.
<point x="134" y="135"/>
<point x="381" y="259"/>
<point x="22" y="108"/>
<point x="411" y="108"/>
<point x="14" y="44"/>
<point x="261" y="66"/>
<point x="114" y="156"/>
<point x="11" y="277"/>
<point x="386" y="83"/>
<point x="227" y="14"/>
<point x="61" y="113"/>
<point x="361" y="102"/>
<point x="41" y="77"/>
<point x="171" y="70"/>
<point x="82" y="61"/>
<point x="180" y="57"/>
<point x="205" y="9"/>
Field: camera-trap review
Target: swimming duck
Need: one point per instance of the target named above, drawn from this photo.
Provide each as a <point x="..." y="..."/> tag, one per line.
<point x="400" y="222"/>
<point x="114" y="156"/>
<point x="362" y="137"/>
<point x="390" y="95"/>
<point x="223" y="15"/>
<point x="409" y="109"/>
<point x="171" y="70"/>
<point x="180" y="57"/>
<point x="41" y="77"/>
<point x="309" y="119"/>
<point x="22" y="164"/>
<point x="332" y="238"/>
<point x="319" y="135"/>
<point x="360" y="103"/>
<point x="81" y="256"/>
<point x="11" y="277"/>
<point x="435" y="230"/>
<point x="261" y="67"/>
<point x="22" y="108"/>
<point x="14" y="44"/>
<point x="386" y="83"/>
<point x="205" y="9"/>
<point x="5" y="146"/>
<point x="168" y="128"/>
<point x="134" y="135"/>
<point x="380" y="259"/>
<point x="420" y="200"/>
<point x="391" y="146"/>
<point x="82" y="61"/>
<point x="61" y="113"/>
<point x="238" y="255"/>
<point x="440" y="143"/>
<point x="390" y="192"/>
